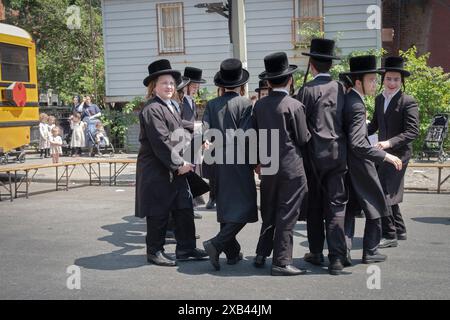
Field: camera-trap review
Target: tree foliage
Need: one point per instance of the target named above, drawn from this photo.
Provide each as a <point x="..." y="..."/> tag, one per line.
<point x="64" y="54"/>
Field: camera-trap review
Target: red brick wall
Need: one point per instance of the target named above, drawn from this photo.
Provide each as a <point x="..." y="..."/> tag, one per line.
<point x="423" y="23"/>
<point x="439" y="36"/>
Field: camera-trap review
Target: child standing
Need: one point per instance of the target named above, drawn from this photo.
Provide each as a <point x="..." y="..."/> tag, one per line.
<point x="78" y="140"/>
<point x="43" y="135"/>
<point x="55" y="144"/>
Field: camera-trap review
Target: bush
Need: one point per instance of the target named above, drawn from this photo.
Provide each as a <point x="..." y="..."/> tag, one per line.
<point x="430" y="86"/>
<point x="344" y="66"/>
<point x="120" y="120"/>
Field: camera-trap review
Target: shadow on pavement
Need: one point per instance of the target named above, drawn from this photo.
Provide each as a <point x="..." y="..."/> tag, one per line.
<point x="433" y="220"/>
<point x="129" y="236"/>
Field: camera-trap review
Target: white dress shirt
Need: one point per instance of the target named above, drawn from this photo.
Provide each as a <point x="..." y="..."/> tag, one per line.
<point x="281" y="90"/>
<point x="388" y="98"/>
<point x="322" y="75"/>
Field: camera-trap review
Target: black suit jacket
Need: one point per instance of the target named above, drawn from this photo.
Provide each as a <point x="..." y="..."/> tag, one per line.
<point x="279" y="111"/>
<point x="324" y="104"/>
<point x="362" y="158"/>
<point x="158" y="187"/>
<point x="188" y="113"/>
<point x="235" y="186"/>
<point x="400" y="125"/>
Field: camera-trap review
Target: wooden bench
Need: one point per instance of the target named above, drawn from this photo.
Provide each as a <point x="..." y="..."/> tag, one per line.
<point x="116" y="167"/>
<point x="91" y="166"/>
<point x="438" y="166"/>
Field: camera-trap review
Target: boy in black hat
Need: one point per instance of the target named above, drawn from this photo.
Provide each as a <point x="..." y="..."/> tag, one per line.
<point x="235" y="183"/>
<point x="161" y="173"/>
<point x="396" y="118"/>
<point x="327" y="154"/>
<point x="364" y="181"/>
<point x="282" y="192"/>
<point x="188" y="107"/>
<point x="263" y="89"/>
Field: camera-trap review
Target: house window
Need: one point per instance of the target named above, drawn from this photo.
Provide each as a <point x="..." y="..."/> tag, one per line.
<point x="170" y="27"/>
<point x="307" y="22"/>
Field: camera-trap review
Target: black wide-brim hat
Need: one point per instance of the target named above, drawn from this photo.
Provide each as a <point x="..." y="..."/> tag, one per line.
<point x="277" y="66"/>
<point x="158" y="68"/>
<point x="363" y="65"/>
<point x="322" y="49"/>
<point x="182" y="82"/>
<point x="231" y="74"/>
<point x="194" y="74"/>
<point x="396" y="64"/>
<point x="263" y="85"/>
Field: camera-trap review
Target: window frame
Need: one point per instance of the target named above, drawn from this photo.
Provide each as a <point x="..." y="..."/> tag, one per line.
<point x="9" y="63"/>
<point x="164" y="51"/>
<point x="297" y="20"/>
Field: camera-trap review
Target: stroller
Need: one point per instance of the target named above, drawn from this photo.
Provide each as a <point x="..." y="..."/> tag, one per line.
<point x="98" y="141"/>
<point x="433" y="145"/>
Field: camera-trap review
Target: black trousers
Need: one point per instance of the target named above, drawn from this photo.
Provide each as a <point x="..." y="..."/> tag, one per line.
<point x="225" y="241"/>
<point x="184" y="229"/>
<point x="326" y="214"/>
<point x="212" y="188"/>
<point x="280" y="206"/>
<point x="393" y="224"/>
<point x="372" y="233"/>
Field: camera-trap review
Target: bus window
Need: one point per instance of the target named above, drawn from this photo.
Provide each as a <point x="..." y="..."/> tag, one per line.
<point x="14" y="60"/>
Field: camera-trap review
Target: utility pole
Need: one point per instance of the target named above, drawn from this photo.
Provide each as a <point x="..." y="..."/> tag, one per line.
<point x="238" y="31"/>
<point x="93" y="51"/>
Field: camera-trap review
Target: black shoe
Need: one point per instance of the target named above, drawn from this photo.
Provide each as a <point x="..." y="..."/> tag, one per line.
<point x="335" y="268"/>
<point x="211" y="204"/>
<point x="259" y="261"/>
<point x="235" y="260"/>
<point x="401" y="236"/>
<point x="197" y="215"/>
<point x="347" y="261"/>
<point x="160" y="259"/>
<point x="194" y="254"/>
<point x="212" y="253"/>
<point x="377" y="257"/>
<point x="388" y="243"/>
<point x="314" y="258"/>
<point x="288" y="270"/>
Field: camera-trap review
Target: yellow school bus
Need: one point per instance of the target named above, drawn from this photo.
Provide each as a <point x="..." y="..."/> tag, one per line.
<point x="19" y="107"/>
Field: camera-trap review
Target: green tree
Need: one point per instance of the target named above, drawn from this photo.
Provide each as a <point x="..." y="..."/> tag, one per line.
<point x="64" y="55"/>
<point x="430" y="86"/>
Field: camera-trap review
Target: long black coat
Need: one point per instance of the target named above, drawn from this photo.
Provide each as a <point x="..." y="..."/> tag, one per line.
<point x="326" y="161"/>
<point x="324" y="105"/>
<point x="158" y="187"/>
<point x="235" y="186"/>
<point x="362" y="158"/>
<point x="278" y="111"/>
<point x="188" y="113"/>
<point x="399" y="125"/>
